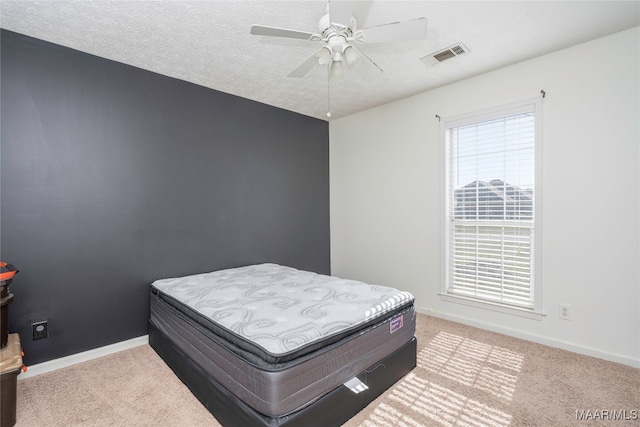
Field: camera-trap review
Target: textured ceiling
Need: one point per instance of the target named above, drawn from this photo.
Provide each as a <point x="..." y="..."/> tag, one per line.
<point x="208" y="42"/>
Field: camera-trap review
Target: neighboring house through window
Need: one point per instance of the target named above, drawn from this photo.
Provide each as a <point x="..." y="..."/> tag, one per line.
<point x="492" y="202"/>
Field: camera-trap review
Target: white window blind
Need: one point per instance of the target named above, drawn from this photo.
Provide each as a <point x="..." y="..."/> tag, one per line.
<point x="490" y="207"/>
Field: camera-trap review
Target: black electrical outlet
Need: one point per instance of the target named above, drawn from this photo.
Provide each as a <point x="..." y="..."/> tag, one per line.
<point x="40" y="330"/>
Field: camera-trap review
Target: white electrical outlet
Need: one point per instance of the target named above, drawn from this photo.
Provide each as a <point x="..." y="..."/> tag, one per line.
<point x="565" y="312"/>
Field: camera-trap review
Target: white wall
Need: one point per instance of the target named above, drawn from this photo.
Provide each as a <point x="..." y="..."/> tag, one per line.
<point x="386" y="178"/>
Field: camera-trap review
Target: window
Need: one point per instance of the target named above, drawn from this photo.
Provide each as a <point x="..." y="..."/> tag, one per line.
<point x="492" y="212"/>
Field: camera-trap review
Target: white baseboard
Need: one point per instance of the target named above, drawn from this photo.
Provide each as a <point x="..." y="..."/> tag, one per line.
<point x="64" y="362"/>
<point x="575" y="348"/>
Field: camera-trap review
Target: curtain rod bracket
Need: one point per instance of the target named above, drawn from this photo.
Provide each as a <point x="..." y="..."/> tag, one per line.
<point x="543" y="93"/>
<point x="438" y="117"/>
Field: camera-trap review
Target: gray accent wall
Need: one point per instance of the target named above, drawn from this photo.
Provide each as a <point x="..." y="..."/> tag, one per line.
<point x="113" y="177"/>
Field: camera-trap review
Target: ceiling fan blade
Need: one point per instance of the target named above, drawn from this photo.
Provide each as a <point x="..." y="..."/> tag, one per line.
<point x="261" y="30"/>
<point x="396" y="31"/>
<point x="367" y="69"/>
<point x="307" y="65"/>
<point x="340" y="11"/>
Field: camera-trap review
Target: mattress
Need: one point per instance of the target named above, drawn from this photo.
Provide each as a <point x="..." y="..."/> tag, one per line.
<point x="280" y="338"/>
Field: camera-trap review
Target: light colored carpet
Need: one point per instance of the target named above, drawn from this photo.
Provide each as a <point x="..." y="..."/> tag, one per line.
<point x="465" y="377"/>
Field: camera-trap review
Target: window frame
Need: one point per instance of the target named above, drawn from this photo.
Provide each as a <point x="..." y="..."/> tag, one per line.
<point x="535" y="104"/>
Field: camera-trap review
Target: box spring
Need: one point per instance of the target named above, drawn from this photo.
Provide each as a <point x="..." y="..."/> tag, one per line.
<point x="331" y="410"/>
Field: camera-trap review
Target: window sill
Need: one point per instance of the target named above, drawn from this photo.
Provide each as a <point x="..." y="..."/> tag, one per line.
<point x="502" y="308"/>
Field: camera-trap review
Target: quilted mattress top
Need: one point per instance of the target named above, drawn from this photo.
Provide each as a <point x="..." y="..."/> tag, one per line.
<point x="282" y="309"/>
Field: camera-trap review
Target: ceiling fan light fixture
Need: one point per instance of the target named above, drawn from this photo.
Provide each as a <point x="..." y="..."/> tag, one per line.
<point x="352" y="57"/>
<point x="324" y="56"/>
<point x="336" y="70"/>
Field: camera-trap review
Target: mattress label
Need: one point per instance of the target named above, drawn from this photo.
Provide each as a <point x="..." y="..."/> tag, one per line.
<point x="396" y="323"/>
<point x="355" y="385"/>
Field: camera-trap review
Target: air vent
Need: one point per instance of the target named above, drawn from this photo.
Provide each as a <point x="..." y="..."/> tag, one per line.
<point x="443" y="55"/>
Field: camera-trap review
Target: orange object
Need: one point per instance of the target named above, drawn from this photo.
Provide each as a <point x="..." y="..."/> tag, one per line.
<point x="7" y="271"/>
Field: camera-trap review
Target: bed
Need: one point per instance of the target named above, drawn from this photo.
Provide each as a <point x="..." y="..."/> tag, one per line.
<point x="270" y="345"/>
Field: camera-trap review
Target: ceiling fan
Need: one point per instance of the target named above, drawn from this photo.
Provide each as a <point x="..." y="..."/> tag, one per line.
<point x="338" y="29"/>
